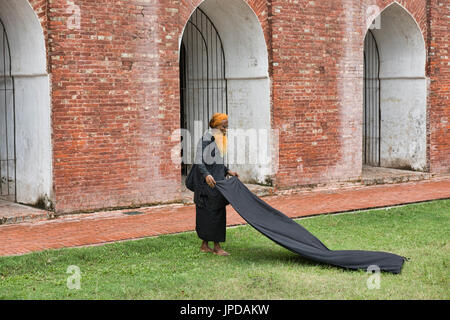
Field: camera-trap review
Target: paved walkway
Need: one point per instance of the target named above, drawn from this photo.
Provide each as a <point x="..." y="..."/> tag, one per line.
<point x="110" y="226"/>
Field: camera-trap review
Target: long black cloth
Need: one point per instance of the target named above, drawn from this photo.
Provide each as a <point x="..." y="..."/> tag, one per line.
<point x="286" y="232"/>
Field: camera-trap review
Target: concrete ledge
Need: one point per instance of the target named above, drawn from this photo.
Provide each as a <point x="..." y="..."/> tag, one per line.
<point x="12" y="213"/>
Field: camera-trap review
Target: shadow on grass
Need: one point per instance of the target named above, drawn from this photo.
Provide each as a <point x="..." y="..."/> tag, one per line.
<point x="275" y="256"/>
<point x="269" y="256"/>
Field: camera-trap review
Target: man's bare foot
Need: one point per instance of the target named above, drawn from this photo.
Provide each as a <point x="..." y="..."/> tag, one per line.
<point x="221" y="253"/>
<point x="206" y="248"/>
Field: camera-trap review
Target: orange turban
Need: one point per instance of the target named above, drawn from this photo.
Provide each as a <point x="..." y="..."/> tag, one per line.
<point x="217" y="119"/>
<point x="221" y="139"/>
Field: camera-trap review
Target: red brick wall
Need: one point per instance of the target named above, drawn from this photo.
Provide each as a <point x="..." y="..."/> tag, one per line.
<point x="439" y="95"/>
<point x="115" y="94"/>
<point x="114" y="105"/>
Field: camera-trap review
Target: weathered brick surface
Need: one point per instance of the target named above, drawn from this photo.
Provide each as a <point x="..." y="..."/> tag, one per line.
<point x="114" y="104"/>
<point x="115" y="93"/>
<point x="439" y="92"/>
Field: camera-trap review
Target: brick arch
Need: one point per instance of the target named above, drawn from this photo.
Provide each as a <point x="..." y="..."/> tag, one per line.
<point x="32" y="118"/>
<point x="403" y="94"/>
<point x="415" y="33"/>
<point x="259" y="7"/>
<point x="415" y="8"/>
<point x="247" y="75"/>
<point x="27" y="41"/>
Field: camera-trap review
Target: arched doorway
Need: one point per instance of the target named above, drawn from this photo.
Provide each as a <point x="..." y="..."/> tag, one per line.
<point x="7" y="121"/>
<point x="234" y="52"/>
<point x="202" y="78"/>
<point x="394" y="133"/>
<point x="371" y="118"/>
<point x="27" y="130"/>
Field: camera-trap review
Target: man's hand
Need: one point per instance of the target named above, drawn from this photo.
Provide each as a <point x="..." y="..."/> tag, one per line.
<point x="232" y="173"/>
<point x="210" y="181"/>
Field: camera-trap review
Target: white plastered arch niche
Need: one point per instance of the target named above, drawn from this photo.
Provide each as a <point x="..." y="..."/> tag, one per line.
<point x="248" y="88"/>
<point x="32" y="102"/>
<point x="403" y="89"/>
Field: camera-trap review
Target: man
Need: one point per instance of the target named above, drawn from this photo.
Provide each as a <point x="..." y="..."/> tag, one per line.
<point x="210" y="167"/>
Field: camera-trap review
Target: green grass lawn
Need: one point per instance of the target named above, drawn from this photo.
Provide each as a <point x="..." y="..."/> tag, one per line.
<point x="172" y="267"/>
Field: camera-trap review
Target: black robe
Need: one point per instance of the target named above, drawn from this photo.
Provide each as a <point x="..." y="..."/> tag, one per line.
<point x="210" y="203"/>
